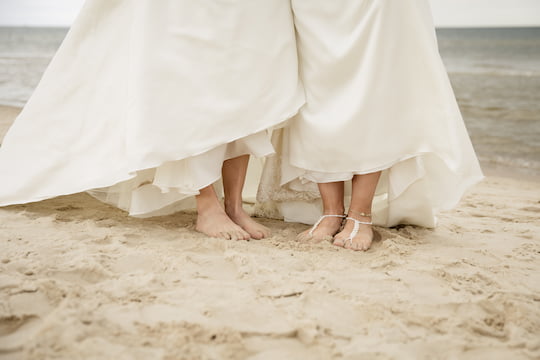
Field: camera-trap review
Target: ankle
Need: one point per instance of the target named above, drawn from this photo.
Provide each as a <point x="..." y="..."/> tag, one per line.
<point x="208" y="206"/>
<point x="362" y="214"/>
<point x="334" y="211"/>
<point x="233" y="208"/>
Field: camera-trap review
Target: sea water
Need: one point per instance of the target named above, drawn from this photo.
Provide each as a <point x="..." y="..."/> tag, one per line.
<point x="496" y="77"/>
<point x="495" y="74"/>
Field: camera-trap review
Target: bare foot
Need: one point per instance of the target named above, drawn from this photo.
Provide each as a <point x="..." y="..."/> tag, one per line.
<point x="361" y="242"/>
<point x="325" y="231"/>
<point x="216" y="223"/>
<point x="246" y="222"/>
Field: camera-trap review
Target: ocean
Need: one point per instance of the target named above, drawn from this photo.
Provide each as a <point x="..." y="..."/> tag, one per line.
<point x="496" y="78"/>
<point x="495" y="74"/>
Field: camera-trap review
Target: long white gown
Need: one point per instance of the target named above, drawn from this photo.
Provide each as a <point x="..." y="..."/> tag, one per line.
<point x="145" y="99"/>
<point x="378" y="98"/>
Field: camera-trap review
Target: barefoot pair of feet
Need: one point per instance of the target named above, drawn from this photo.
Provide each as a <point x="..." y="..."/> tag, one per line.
<point x="356" y="234"/>
<point x="230" y="221"/>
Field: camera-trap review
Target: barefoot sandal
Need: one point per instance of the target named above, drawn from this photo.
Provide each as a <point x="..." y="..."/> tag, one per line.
<point x="357" y="224"/>
<point x="314" y="227"/>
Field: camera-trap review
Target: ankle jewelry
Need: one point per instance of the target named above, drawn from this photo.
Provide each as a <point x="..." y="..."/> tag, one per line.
<point x="360" y="213"/>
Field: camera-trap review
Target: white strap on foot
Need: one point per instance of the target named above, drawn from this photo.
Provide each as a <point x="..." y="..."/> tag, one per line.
<point x="320" y="220"/>
<point x="354" y="231"/>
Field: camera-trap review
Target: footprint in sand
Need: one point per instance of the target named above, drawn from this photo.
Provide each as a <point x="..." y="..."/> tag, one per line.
<point x="81" y="273"/>
<point x="23" y="311"/>
<point x="529" y="252"/>
<point x="464" y="277"/>
<point x="16" y="330"/>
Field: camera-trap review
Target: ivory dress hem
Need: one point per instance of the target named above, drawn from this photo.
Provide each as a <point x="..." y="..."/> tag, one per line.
<point x="257" y="145"/>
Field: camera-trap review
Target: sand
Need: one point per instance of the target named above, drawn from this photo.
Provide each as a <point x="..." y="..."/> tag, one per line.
<point x="82" y="280"/>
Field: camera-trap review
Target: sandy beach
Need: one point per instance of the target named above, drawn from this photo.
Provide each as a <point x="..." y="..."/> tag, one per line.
<point x="82" y="280"/>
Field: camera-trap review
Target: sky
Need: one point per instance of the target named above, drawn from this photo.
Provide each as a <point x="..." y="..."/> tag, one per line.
<point x="447" y="13"/>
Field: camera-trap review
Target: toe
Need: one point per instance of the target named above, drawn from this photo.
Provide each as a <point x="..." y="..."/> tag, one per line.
<point x="257" y="235"/>
<point x="339" y="242"/>
<point x="245" y="235"/>
<point x="301" y="237"/>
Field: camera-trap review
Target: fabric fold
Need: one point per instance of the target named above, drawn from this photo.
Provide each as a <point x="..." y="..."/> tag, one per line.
<point x="378" y="99"/>
<point x="171" y="186"/>
<point x="150" y="91"/>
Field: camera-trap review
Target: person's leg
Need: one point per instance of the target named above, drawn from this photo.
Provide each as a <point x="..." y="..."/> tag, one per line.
<point x="212" y="219"/>
<point x="234" y="175"/>
<point x="363" y="191"/>
<point x="332" y="198"/>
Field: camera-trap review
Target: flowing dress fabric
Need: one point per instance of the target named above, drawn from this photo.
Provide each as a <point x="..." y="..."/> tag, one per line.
<point x="378" y="98"/>
<point x="145" y="99"/>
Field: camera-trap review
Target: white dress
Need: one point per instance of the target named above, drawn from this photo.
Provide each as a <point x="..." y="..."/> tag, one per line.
<point x="145" y="99"/>
<point x="378" y="98"/>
